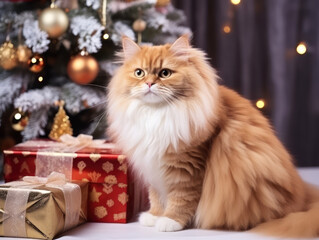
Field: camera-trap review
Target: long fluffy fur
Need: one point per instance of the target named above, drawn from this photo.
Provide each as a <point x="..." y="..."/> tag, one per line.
<point x="208" y="156"/>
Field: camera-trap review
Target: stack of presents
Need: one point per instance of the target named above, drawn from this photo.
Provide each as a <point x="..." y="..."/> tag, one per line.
<point x="53" y="186"/>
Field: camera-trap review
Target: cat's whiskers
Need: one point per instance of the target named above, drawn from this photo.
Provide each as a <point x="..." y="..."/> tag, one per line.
<point x="95" y="85"/>
<point x="167" y="98"/>
<point x="100" y="116"/>
<point x="98" y="104"/>
<point x="173" y="94"/>
<point x="168" y="101"/>
<point x="137" y="92"/>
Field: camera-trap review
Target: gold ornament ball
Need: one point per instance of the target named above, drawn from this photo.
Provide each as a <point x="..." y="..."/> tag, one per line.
<point x="36" y="63"/>
<point x="139" y="25"/>
<point x="8" y="56"/>
<point x="23" y="53"/>
<point x="162" y="3"/>
<point x="54" y="21"/>
<point x="19" y="120"/>
<point x="83" y="69"/>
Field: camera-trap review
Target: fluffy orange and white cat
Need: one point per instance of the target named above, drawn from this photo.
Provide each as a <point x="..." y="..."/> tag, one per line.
<point x="209" y="158"/>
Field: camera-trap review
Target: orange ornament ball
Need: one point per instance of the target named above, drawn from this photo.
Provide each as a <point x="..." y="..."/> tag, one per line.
<point x="83" y="69"/>
<point x="162" y="3"/>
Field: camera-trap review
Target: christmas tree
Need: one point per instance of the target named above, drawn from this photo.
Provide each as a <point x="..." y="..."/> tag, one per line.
<point x="65" y="50"/>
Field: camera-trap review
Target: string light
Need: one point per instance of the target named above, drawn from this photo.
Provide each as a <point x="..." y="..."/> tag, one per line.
<point x="226" y="28"/>
<point x="33" y="60"/>
<point x="301" y="48"/>
<point x="17" y="116"/>
<point x="260" y="104"/>
<point x="106" y="36"/>
<point x="40" y="78"/>
<point x="235" y="2"/>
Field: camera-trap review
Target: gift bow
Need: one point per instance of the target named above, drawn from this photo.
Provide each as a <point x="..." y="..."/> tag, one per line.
<point x="16" y="200"/>
<point x="54" y="179"/>
<point x="81" y="141"/>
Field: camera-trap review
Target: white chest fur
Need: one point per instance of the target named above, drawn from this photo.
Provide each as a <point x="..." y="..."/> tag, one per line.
<point x="145" y="133"/>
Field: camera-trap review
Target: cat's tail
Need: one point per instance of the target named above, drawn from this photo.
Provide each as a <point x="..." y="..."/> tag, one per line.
<point x="297" y="224"/>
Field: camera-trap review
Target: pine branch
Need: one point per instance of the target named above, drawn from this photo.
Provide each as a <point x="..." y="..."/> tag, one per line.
<point x="120" y="29"/>
<point x="37" y="122"/>
<point x="36" y="39"/>
<point x="176" y="15"/>
<point x="168" y="24"/>
<point x="95" y="4"/>
<point x="123" y="9"/>
<point x="11" y="87"/>
<point x="34" y="100"/>
<point x="78" y="97"/>
<point x="88" y="30"/>
<point x="20" y="19"/>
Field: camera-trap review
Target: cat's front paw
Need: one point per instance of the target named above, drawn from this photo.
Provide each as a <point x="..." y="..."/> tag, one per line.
<point x="165" y="224"/>
<point x="147" y="219"/>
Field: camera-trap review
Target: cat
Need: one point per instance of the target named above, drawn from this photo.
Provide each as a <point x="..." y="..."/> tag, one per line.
<point x="209" y="158"/>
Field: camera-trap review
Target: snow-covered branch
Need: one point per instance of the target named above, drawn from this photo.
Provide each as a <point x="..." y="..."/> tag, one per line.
<point x="37" y="122"/>
<point x="95" y="4"/>
<point x="78" y="97"/>
<point x="11" y="87"/>
<point x="36" y="39"/>
<point x="34" y="100"/>
<point x="121" y="29"/>
<point x="88" y="30"/>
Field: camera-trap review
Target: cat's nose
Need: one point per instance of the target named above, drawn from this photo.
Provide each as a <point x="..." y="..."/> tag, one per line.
<point x="149" y="83"/>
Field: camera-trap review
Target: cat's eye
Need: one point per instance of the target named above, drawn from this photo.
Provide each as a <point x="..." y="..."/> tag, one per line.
<point x="139" y="73"/>
<point x="165" y="73"/>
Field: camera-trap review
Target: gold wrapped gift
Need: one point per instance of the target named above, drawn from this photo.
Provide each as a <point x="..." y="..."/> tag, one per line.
<point x="42" y="207"/>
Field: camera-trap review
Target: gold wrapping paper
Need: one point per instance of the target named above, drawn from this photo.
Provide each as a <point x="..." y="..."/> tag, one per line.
<point x="44" y="210"/>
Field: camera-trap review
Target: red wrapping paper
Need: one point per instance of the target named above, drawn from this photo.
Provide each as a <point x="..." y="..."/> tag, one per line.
<point x="114" y="195"/>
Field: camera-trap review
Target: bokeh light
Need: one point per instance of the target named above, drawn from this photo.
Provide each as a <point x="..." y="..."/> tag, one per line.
<point x="106" y="36"/>
<point x="235" y="2"/>
<point x="227" y="29"/>
<point x="260" y="104"/>
<point x="301" y="48"/>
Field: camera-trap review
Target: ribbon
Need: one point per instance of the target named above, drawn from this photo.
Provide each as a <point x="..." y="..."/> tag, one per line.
<point x="16" y="202"/>
<point x="59" y="157"/>
<point x="54" y="179"/>
<point x="81" y="141"/>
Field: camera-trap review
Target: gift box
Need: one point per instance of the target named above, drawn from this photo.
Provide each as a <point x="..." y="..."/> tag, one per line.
<point x="42" y="207"/>
<point x="114" y="194"/>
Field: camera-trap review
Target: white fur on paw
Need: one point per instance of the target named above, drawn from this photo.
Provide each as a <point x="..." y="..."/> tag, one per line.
<point x="147" y="219"/>
<point x="165" y="224"/>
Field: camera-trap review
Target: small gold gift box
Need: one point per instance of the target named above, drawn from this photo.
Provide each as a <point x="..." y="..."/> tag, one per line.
<point x="42" y="207"/>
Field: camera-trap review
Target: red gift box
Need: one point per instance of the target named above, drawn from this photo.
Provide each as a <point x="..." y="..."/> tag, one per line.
<point x="114" y="195"/>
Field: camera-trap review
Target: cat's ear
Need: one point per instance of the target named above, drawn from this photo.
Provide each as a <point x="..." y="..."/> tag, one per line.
<point x="130" y="48"/>
<point x="180" y="46"/>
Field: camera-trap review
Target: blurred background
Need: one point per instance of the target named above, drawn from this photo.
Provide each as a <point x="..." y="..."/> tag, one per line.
<point x="56" y="57"/>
